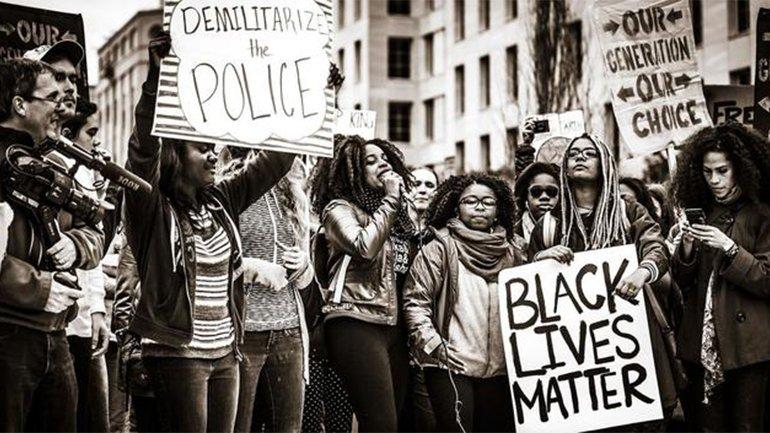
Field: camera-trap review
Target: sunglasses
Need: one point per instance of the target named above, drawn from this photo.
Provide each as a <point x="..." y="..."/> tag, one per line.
<point x="550" y="190"/>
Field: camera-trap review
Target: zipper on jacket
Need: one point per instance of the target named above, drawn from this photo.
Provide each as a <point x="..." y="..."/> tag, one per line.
<point x="184" y="270"/>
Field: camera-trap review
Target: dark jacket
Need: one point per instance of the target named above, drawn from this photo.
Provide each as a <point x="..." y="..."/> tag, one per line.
<point x="24" y="286"/>
<point x="369" y="293"/>
<point x="161" y="236"/>
<point x="645" y="233"/>
<point x="741" y="293"/>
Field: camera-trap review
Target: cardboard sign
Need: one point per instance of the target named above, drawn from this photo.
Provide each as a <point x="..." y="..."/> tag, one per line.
<point x="578" y="357"/>
<point x="23" y="28"/>
<point x="248" y="72"/>
<point x="652" y="74"/>
<point x="568" y="124"/>
<point x="356" y="122"/>
<point x="762" y="79"/>
<point x="730" y="103"/>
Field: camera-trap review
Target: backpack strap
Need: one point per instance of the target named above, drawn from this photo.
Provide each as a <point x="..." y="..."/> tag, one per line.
<point x="338" y="282"/>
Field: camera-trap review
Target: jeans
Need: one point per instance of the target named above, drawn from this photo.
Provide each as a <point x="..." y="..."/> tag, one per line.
<point x="327" y="407"/>
<point x="272" y="384"/>
<point x="486" y="403"/>
<point x="91" y="373"/>
<point x="373" y="362"/>
<point x="118" y="400"/>
<point x="38" y="388"/>
<point x="195" y="395"/>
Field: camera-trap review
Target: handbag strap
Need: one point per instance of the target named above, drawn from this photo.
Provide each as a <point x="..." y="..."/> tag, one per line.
<point x="657" y="309"/>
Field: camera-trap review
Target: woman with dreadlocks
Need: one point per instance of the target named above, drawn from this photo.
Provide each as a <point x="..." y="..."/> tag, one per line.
<point x="360" y="195"/>
<point x="460" y="344"/>
<point x="723" y="266"/>
<point x="592" y="215"/>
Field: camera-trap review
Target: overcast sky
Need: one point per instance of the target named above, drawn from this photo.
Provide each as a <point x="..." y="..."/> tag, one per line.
<point x="100" y="19"/>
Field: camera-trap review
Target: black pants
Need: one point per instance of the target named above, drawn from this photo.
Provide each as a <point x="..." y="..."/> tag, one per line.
<point x="91" y="373"/>
<point x="327" y="407"/>
<point x="486" y="403"/>
<point x="373" y="362"/>
<point x="738" y="404"/>
<point x="146" y="415"/>
<point x="38" y="389"/>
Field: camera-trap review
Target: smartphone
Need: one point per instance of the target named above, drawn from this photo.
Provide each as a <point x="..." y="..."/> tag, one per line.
<point x="695" y="215"/>
<point x="541" y="126"/>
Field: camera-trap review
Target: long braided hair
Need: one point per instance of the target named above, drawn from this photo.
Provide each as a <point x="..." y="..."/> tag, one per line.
<point x="609" y="225"/>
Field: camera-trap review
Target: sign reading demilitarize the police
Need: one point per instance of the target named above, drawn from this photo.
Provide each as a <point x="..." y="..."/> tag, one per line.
<point x="649" y="60"/>
<point x="578" y="357"/>
<point x="762" y="79"/>
<point x="23" y="28"/>
<point x="248" y="72"/>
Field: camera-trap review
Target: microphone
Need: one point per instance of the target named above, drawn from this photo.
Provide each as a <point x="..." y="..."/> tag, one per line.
<point x="108" y="169"/>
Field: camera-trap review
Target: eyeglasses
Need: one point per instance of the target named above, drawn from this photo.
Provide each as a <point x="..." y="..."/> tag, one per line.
<point x="51" y="99"/>
<point x="550" y="190"/>
<point x="587" y="153"/>
<point x="474" y="202"/>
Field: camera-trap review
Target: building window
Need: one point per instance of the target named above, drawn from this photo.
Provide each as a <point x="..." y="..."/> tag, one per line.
<point x="341" y="14"/>
<point x="428" y="41"/>
<point x="460" y="157"/>
<point x="399" y="57"/>
<point x="485" y="155"/>
<point x="696" y="6"/>
<point x="512" y="72"/>
<point x="357" y="106"/>
<point x="459" y="20"/>
<point x="357" y="60"/>
<point x="399" y="121"/>
<point x="459" y="90"/>
<point x="430" y="5"/>
<point x="574" y="48"/>
<point x="739" y="14"/>
<point x="341" y="59"/>
<point x="399" y="7"/>
<point x="484" y="90"/>
<point x="512" y="142"/>
<point x="483" y="15"/>
<point x="356" y="10"/>
<point x="741" y="76"/>
<point x="511" y="9"/>
<point x="430" y="106"/>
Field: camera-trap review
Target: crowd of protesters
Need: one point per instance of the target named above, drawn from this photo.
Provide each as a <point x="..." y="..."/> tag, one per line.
<point x="263" y="291"/>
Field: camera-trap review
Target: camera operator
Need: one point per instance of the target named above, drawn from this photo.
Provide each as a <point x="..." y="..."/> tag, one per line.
<point x="37" y="382"/>
<point x="63" y="58"/>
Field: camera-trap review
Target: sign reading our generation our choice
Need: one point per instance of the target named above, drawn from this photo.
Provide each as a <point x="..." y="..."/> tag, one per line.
<point x="649" y="59"/>
<point x="578" y="357"/>
<point x="249" y="73"/>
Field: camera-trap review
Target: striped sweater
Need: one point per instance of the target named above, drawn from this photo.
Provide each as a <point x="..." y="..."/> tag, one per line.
<point x="213" y="332"/>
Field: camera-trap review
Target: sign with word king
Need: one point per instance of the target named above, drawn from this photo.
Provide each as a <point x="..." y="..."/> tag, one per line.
<point x="356" y="122"/>
<point x="649" y="60"/>
<point x="579" y="358"/>
<point x="248" y="72"/>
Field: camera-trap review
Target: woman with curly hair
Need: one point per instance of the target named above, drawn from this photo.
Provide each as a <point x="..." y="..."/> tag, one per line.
<point x="360" y="196"/>
<point x="591" y="216"/>
<point x="723" y="266"/>
<point x="451" y="304"/>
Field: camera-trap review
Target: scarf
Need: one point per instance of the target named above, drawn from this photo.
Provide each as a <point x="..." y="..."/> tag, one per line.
<point x="403" y="231"/>
<point x="527" y="225"/>
<point x="484" y="254"/>
<point x="731" y="197"/>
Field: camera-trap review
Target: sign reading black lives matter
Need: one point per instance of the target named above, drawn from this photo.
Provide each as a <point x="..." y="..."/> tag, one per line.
<point x="248" y="73"/>
<point x="23" y="28"/>
<point x="578" y="357"/>
<point x="649" y="60"/>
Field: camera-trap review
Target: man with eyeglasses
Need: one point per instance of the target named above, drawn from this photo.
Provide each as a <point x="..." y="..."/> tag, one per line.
<point x="38" y="390"/>
<point x="63" y="58"/>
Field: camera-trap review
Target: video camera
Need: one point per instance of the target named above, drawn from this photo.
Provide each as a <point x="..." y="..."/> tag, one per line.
<point x="44" y="187"/>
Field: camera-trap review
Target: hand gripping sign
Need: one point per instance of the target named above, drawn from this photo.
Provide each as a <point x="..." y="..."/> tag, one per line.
<point x="248" y="72"/>
<point x="578" y="357"/>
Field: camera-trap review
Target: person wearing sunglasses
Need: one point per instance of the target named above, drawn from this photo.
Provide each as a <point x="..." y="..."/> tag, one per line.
<point x="38" y="389"/>
<point x="451" y="303"/>
<point x="536" y="192"/>
<point x="63" y="59"/>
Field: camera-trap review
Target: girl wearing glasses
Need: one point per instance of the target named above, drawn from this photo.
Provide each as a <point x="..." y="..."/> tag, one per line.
<point x="451" y="307"/>
<point x="536" y="192"/>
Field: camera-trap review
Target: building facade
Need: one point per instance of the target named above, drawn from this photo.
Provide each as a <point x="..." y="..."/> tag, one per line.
<point x="122" y="70"/>
<point x="452" y="80"/>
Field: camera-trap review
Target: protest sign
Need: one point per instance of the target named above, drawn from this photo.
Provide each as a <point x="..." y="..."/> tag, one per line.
<point x="730" y="103"/>
<point x="248" y="72"/>
<point x="23" y="28"/>
<point x="762" y="79"/>
<point x="568" y="124"/>
<point x="356" y="122"/>
<point x="651" y="70"/>
<point x="578" y="357"/>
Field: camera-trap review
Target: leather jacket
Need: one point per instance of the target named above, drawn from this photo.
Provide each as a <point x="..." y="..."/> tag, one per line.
<point x="369" y="293"/>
